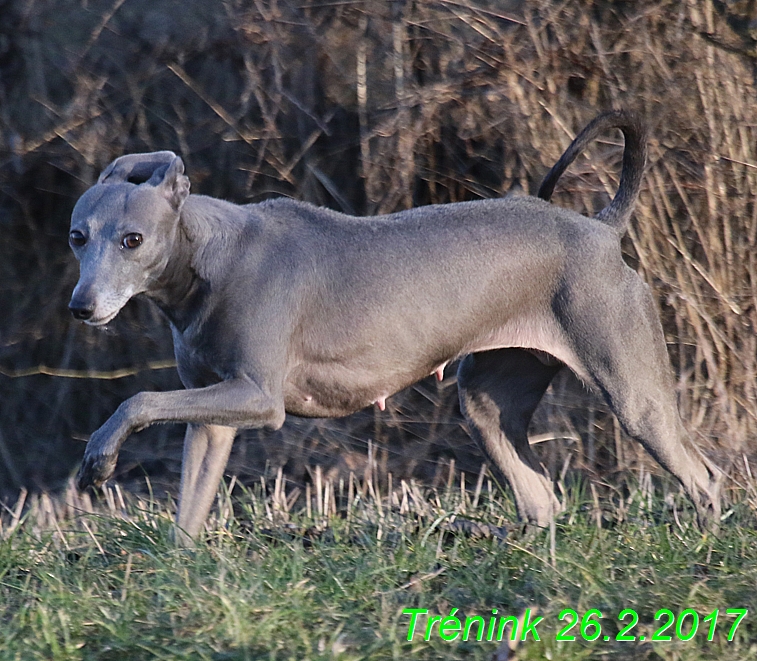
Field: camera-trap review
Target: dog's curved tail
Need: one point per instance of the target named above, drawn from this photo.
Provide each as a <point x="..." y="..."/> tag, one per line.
<point x="618" y="212"/>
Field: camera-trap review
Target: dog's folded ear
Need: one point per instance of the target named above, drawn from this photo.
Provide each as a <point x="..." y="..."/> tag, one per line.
<point x="172" y="182"/>
<point x="162" y="169"/>
<point x="136" y="168"/>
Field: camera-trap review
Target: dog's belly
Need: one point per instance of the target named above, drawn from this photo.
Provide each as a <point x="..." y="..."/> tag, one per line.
<point x="335" y="389"/>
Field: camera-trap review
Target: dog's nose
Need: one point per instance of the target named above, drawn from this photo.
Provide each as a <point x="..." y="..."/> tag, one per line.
<point x="82" y="313"/>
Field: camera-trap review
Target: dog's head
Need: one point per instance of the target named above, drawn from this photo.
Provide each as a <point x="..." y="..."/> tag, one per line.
<point x="122" y="232"/>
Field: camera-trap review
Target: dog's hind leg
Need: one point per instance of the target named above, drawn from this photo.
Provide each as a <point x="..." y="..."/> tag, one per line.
<point x="618" y="339"/>
<point x="499" y="392"/>
<point x="206" y="452"/>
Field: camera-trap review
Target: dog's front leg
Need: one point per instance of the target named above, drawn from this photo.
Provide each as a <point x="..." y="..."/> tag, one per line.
<point x="234" y="403"/>
<point x="206" y="452"/>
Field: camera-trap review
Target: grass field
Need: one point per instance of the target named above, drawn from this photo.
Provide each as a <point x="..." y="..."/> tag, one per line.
<point x="276" y="578"/>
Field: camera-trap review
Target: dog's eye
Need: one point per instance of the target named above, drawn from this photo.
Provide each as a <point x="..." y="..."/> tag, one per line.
<point x="132" y="241"/>
<point x="76" y="238"/>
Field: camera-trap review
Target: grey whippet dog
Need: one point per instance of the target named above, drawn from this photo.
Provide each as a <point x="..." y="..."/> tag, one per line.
<point x="282" y="307"/>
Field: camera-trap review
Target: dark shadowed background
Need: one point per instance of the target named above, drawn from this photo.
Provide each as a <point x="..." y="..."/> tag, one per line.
<point x="370" y="107"/>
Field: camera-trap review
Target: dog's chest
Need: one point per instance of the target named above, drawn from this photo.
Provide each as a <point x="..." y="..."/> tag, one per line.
<point x="196" y="360"/>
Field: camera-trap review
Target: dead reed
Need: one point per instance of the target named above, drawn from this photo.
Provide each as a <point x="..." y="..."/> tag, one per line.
<point x="371" y="107"/>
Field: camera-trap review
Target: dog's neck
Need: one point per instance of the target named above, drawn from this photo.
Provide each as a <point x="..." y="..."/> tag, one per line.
<point x="179" y="290"/>
<point x="206" y="225"/>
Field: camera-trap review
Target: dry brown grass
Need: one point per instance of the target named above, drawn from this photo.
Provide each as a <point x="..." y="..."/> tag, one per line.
<point x="372" y="107"/>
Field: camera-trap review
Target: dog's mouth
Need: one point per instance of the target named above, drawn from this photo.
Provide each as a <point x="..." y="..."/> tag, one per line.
<point x="101" y="321"/>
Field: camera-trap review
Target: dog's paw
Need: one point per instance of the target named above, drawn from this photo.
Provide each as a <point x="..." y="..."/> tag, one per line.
<point x="708" y="513"/>
<point x="94" y="470"/>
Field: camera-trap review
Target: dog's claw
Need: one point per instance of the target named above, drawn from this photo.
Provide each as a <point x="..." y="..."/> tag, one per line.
<point x="94" y="471"/>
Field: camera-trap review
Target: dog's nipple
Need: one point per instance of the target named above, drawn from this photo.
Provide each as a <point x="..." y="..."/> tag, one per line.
<point x="381" y="401"/>
<point x="439" y="371"/>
